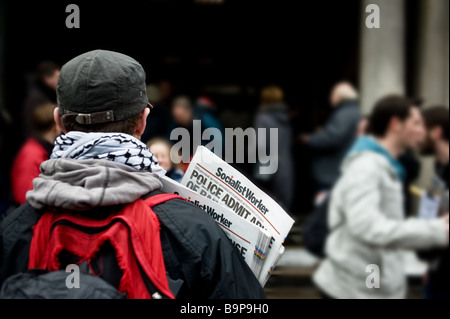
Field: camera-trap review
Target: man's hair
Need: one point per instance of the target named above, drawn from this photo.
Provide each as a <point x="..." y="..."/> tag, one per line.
<point x="159" y="140"/>
<point x="345" y="91"/>
<point x="46" y="69"/>
<point x="182" y="101"/>
<point x="437" y="117"/>
<point x="393" y="106"/>
<point x="127" y="126"/>
<point x="272" y="94"/>
<point x="42" y="119"/>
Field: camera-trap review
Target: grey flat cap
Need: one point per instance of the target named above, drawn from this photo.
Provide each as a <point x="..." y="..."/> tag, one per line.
<point x="101" y="86"/>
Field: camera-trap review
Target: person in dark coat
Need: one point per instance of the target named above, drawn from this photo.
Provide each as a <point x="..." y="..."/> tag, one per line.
<point x="159" y="121"/>
<point x="100" y="164"/>
<point x="206" y="111"/>
<point x="273" y="113"/>
<point x="436" y="120"/>
<point x="334" y="141"/>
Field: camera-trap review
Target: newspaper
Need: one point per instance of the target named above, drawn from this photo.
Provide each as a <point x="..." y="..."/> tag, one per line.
<point x="251" y="241"/>
<point x="216" y="180"/>
<point x="272" y="268"/>
<point x="429" y="206"/>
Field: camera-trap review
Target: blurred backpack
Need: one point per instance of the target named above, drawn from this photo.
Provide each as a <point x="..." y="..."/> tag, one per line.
<point x="123" y="249"/>
<point x="316" y="229"/>
<point x="41" y="284"/>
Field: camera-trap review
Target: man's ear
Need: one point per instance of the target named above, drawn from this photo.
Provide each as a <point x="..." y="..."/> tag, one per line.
<point x="58" y="121"/>
<point x="142" y="123"/>
<point x="395" y="124"/>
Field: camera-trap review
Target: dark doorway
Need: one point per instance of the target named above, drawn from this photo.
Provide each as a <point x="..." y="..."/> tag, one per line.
<point x="302" y="46"/>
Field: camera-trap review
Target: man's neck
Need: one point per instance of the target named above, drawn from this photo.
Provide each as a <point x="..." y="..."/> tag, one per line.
<point x="391" y="146"/>
<point x="442" y="155"/>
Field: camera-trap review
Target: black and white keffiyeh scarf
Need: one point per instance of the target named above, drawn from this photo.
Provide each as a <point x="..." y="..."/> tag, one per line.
<point x="115" y="147"/>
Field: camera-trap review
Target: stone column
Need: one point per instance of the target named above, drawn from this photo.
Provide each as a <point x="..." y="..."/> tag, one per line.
<point x="432" y="82"/>
<point x="382" y="52"/>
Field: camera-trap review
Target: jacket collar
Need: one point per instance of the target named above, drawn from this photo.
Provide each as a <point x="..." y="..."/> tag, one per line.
<point x="370" y="144"/>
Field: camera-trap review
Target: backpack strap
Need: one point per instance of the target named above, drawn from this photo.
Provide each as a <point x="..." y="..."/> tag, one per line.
<point x="155" y="200"/>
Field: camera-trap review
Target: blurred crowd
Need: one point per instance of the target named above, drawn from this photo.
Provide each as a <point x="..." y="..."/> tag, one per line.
<point x="363" y="168"/>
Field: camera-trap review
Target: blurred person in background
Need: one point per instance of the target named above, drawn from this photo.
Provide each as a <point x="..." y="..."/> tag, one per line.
<point x="36" y="150"/>
<point x="41" y="90"/>
<point x="408" y="160"/>
<point x="274" y="113"/>
<point x="437" y="123"/>
<point x="366" y="216"/>
<point x="333" y="142"/>
<point x="363" y="126"/>
<point x="436" y="120"/>
<point x="182" y="116"/>
<point x="206" y="111"/>
<point x="161" y="149"/>
<point x="159" y="121"/>
<point x="166" y="90"/>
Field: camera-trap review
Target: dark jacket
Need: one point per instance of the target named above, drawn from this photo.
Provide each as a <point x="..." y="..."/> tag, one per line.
<point x="333" y="142"/>
<point x="199" y="257"/>
<point x="282" y="182"/>
<point x="438" y="281"/>
<point x="175" y="174"/>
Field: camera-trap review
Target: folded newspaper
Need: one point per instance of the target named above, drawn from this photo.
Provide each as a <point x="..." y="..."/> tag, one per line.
<point x="248" y="215"/>
<point x="251" y="241"/>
